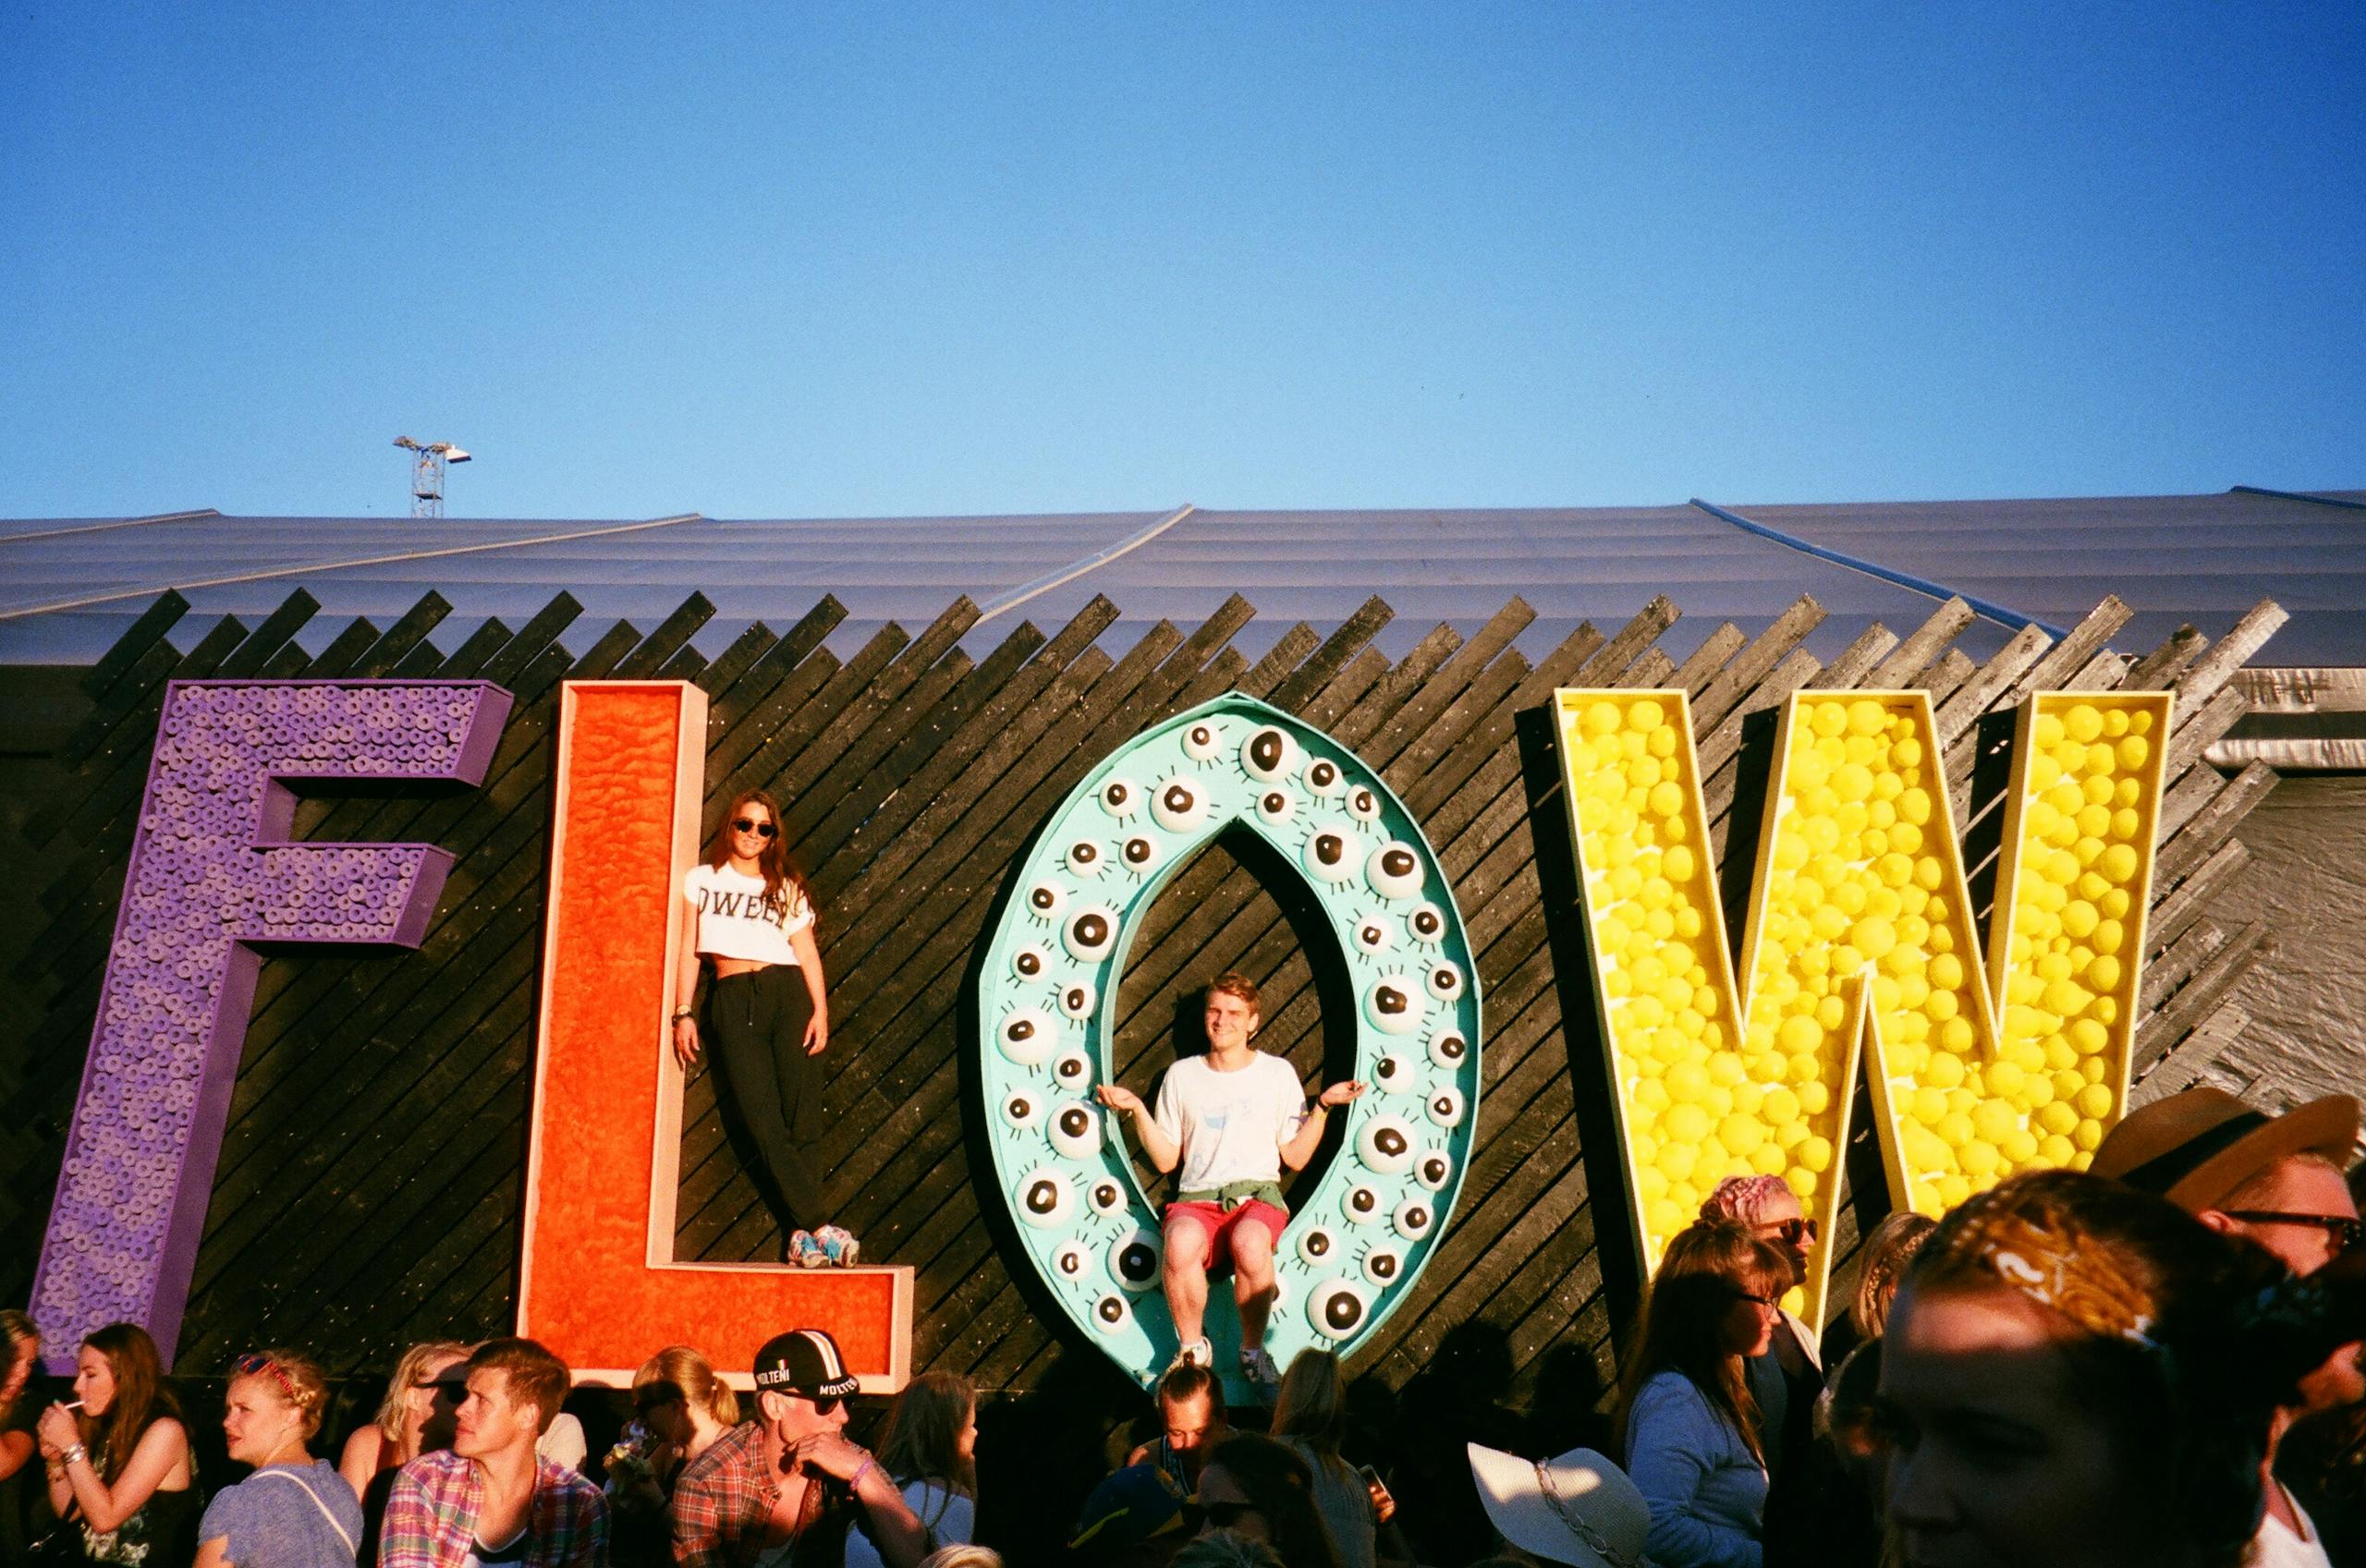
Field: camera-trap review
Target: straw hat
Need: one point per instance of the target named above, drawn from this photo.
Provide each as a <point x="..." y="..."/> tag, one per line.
<point x="1579" y="1508"/>
<point x="2196" y="1146"/>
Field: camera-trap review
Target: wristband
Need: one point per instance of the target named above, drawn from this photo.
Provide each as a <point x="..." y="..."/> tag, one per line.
<point x="682" y="1013"/>
<point x="867" y="1465"/>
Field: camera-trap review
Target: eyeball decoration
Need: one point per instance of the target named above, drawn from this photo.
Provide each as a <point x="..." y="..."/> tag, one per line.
<point x="1026" y="1037"/>
<point x="1336" y="1309"/>
<point x="1137" y="1259"/>
<point x="1394" y="870"/>
<point x="1269" y="755"/>
<point x="1075" y="1130"/>
<point x="1046" y="1199"/>
<point x="1179" y="804"/>
<point x="1392" y="1005"/>
<point x="1386" y="1146"/>
<point x="1330" y="855"/>
<point x="1367" y="1224"/>
<point x="1414" y="1217"/>
<point x="1120" y="798"/>
<point x="1091" y="933"/>
<point x="1139" y="854"/>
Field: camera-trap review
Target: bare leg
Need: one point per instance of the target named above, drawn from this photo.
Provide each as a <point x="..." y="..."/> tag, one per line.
<point x="1252" y="1279"/>
<point x="1187" y="1276"/>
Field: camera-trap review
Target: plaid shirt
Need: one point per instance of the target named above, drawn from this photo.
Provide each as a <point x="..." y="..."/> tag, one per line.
<point x="723" y="1505"/>
<point x="431" y="1516"/>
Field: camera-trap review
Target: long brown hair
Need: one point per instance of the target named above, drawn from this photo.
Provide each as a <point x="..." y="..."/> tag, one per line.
<point x="923" y="1440"/>
<point x="142" y="1396"/>
<point x="778" y="867"/>
<point x="1312" y="1407"/>
<point x="1684" y="1317"/>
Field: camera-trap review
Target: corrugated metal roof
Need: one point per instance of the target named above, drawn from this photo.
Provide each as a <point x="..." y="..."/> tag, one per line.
<point x="71" y="586"/>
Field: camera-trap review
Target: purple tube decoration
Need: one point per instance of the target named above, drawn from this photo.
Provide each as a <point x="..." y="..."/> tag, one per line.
<point x="213" y="878"/>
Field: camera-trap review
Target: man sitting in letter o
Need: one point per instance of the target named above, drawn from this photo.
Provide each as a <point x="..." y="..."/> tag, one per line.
<point x="1231" y="1119"/>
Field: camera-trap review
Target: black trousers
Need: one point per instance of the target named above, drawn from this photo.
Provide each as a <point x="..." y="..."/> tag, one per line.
<point x="755" y="1032"/>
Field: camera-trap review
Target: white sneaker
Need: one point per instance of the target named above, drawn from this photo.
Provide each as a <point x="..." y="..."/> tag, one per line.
<point x="1195" y="1352"/>
<point x="1259" y="1368"/>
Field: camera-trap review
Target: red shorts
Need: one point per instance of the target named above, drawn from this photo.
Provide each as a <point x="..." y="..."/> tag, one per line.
<point x="1218" y="1224"/>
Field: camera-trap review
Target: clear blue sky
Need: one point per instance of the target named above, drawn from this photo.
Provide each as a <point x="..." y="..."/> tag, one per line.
<point x="787" y="260"/>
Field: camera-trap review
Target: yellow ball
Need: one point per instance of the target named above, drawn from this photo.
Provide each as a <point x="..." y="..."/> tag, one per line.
<point x="1601" y="717"/>
<point x="1645" y="716"/>
<point x="2119" y="862"/>
<point x="1993" y="1119"/>
<point x="2088" y="1136"/>
<point x="1980" y="1158"/>
<point x="1666" y="797"/>
<point x="1945" y="1071"/>
<point x="1814" y="1154"/>
<point x="2083" y="723"/>
<point x="1866" y="717"/>
<point x="1814" y="1097"/>
<point x="1686" y="1123"/>
<point x="2095" y="1102"/>
<point x="2133" y="752"/>
<point x="1741" y="1135"/>
<point x="1800" y="1035"/>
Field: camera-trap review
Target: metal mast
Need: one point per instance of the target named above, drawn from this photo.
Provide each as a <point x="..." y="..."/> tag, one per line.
<point x="427" y="473"/>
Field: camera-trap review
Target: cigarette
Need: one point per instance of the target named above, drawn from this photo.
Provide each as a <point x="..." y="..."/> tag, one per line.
<point x="75" y="1406"/>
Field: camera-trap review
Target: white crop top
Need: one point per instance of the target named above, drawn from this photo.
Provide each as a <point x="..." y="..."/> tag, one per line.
<point x="734" y="919"/>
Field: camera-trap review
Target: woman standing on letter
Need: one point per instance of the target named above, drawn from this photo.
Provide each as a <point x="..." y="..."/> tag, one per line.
<point x="767" y="1014"/>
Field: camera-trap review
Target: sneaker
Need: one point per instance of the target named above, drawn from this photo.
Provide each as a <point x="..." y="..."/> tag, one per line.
<point x="1262" y="1375"/>
<point x="1195" y="1352"/>
<point x="805" y="1252"/>
<point x="838" y="1244"/>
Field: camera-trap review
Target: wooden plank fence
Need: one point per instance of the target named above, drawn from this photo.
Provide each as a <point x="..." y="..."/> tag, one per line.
<point x="369" y="1190"/>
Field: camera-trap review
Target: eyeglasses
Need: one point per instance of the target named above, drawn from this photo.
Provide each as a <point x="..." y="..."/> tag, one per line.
<point x="1772" y="1304"/>
<point x="257" y="1364"/>
<point x="2342" y="1233"/>
<point x="1791" y="1233"/>
<point x="749" y="825"/>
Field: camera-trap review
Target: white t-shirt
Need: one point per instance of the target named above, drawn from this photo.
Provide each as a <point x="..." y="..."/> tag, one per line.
<point x="734" y="919"/>
<point x="1232" y="1125"/>
<point x="2275" y="1546"/>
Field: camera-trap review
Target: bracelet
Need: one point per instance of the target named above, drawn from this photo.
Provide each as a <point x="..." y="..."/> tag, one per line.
<point x="854" y="1483"/>
<point x="72" y="1453"/>
<point x="682" y="1013"/>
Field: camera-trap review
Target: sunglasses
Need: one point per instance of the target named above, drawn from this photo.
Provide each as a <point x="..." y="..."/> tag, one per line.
<point x="749" y="825"/>
<point x="1791" y="1233"/>
<point x="2341" y="1232"/>
<point x="258" y="1365"/>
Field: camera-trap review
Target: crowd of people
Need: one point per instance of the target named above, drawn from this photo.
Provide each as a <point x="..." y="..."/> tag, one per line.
<point x="2153" y="1363"/>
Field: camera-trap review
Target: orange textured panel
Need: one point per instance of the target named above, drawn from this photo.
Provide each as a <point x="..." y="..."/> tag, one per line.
<point x="589" y="1287"/>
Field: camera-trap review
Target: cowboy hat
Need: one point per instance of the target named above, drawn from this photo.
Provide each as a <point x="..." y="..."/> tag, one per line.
<point x="1577" y="1508"/>
<point x="2196" y="1146"/>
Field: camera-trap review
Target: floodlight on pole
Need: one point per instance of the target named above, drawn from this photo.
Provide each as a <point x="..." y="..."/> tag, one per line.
<point x="428" y="459"/>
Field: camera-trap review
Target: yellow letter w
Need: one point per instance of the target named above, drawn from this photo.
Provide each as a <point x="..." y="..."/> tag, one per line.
<point x="1860" y="946"/>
